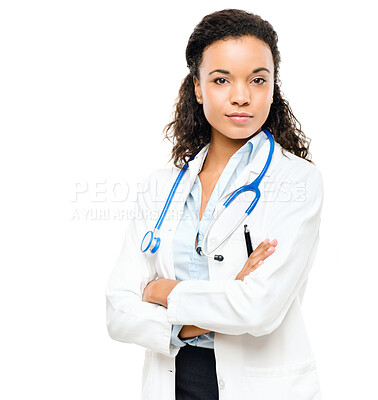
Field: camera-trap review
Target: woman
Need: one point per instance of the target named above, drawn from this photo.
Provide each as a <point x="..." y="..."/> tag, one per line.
<point x="224" y="325"/>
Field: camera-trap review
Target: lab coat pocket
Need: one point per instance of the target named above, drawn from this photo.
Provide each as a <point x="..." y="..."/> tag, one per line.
<point x="255" y="234"/>
<point x="293" y="382"/>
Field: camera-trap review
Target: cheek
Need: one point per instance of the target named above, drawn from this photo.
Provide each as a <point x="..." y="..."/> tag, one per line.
<point x="213" y="104"/>
<point x="263" y="98"/>
<point x="214" y="98"/>
<point x="262" y="105"/>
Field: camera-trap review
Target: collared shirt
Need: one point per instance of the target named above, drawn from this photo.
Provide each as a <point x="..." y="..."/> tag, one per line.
<point x="189" y="265"/>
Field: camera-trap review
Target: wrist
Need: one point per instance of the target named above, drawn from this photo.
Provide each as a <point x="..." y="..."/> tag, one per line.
<point x="161" y="289"/>
<point x="189" y="331"/>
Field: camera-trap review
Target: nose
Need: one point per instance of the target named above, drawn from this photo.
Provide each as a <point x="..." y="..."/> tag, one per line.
<point x="240" y="94"/>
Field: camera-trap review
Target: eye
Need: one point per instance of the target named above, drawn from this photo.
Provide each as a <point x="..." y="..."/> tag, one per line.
<point x="261" y="79"/>
<point x="215" y="80"/>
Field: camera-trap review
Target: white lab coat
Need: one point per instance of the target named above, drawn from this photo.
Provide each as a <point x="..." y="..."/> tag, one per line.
<point x="261" y="345"/>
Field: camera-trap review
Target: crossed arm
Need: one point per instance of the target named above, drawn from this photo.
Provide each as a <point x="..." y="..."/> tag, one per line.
<point x="157" y="291"/>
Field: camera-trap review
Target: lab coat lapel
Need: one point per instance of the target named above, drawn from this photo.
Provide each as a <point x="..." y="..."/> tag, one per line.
<point x="187" y="180"/>
<point x="175" y="211"/>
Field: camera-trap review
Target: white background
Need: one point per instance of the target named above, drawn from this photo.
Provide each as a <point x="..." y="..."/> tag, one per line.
<point x="86" y="89"/>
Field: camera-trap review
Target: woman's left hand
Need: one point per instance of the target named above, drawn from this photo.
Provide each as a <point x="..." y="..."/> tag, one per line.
<point x="147" y="292"/>
<point x="158" y="290"/>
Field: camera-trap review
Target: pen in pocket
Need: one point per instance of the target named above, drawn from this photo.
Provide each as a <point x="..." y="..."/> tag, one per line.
<point x="248" y="242"/>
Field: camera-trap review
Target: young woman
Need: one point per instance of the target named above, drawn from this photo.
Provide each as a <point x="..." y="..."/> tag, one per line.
<point x="218" y="321"/>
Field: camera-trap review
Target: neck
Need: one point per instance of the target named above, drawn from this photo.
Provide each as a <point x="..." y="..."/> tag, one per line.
<point x="221" y="149"/>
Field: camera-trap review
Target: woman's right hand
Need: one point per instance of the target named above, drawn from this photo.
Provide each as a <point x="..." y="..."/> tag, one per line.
<point x="257" y="257"/>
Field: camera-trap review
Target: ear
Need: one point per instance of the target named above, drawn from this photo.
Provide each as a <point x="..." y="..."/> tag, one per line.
<point x="197" y="88"/>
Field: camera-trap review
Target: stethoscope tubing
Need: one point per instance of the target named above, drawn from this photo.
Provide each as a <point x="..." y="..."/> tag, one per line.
<point x="153" y="237"/>
<point x="254" y="186"/>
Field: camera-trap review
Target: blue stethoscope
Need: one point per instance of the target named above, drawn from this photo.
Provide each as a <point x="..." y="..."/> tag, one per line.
<point x="151" y="240"/>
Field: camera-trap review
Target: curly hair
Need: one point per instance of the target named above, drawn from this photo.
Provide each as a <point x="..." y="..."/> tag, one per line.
<point x="189" y="130"/>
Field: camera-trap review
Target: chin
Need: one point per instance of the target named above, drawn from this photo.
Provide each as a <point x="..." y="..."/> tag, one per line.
<point x="241" y="136"/>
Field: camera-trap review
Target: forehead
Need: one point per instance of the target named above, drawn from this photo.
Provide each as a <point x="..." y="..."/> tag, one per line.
<point x="246" y="51"/>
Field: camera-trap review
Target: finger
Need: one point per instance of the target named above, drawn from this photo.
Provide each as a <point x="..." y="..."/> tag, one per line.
<point x="262" y="244"/>
<point x="259" y="250"/>
<point x="255" y="261"/>
<point x="262" y="254"/>
<point x="263" y="250"/>
<point x="269" y="250"/>
<point x="257" y="257"/>
<point x="266" y="244"/>
<point x="247" y="270"/>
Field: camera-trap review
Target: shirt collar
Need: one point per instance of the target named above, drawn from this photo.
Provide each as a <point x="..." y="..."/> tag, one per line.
<point x="252" y="146"/>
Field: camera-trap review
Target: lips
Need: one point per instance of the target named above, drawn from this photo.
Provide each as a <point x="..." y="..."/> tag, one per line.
<point x="239" y="118"/>
<point x="235" y="114"/>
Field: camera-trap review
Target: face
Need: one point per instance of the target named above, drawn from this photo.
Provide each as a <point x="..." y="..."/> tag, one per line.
<point x="236" y="76"/>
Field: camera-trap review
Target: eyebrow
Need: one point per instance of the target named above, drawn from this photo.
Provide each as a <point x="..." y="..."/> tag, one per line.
<point x="223" y="71"/>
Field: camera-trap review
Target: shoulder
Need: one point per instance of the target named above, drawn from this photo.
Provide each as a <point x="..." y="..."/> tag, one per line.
<point x="156" y="184"/>
<point x="297" y="178"/>
<point x="161" y="176"/>
<point x="294" y="167"/>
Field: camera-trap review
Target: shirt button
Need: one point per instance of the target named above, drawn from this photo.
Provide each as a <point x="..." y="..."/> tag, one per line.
<point x="221" y="384"/>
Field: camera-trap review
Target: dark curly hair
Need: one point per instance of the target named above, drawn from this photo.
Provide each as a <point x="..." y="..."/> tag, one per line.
<point x="189" y="128"/>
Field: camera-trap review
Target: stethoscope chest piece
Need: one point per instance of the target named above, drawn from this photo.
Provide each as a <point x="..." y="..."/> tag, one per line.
<point x="150" y="242"/>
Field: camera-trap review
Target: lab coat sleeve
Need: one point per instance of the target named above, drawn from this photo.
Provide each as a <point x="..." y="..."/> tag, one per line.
<point x="130" y="319"/>
<point x="176" y="329"/>
<point x="175" y="340"/>
<point x="258" y="304"/>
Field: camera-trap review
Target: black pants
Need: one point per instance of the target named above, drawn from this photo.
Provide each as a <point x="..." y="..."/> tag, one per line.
<point x="196" y="377"/>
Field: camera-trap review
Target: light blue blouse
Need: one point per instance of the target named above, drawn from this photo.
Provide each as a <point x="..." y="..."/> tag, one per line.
<point x="187" y="262"/>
